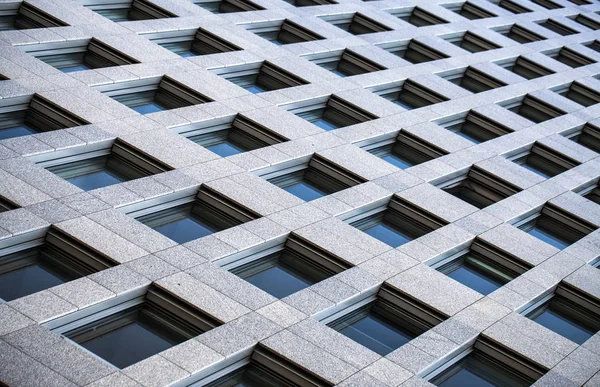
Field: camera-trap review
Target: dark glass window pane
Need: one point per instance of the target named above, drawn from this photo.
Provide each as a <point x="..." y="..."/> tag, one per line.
<point x="16" y="131"/>
<point x="376" y="334"/>
<point x="305" y="191"/>
<point x="540" y="229"/>
<point x="225" y="149"/>
<point x="563" y="325"/>
<point x="478" y="274"/>
<point x="391" y="229"/>
<point x="397" y="161"/>
<point x="147" y="108"/>
<point x="249" y="376"/>
<point x="71" y="69"/>
<point x="388" y="234"/>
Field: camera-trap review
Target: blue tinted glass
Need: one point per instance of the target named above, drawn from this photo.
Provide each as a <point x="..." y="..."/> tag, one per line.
<point x="338" y="73"/>
<point x="548" y="238"/>
<point x="397" y="161"/>
<point x="72" y="69"/>
<point x="95" y="180"/>
<point x="466" y="136"/>
<point x="278" y="281"/>
<point x="130" y="343"/>
<point x="186" y="229"/>
<point x="305" y="191"/>
<point x="376" y="334"/>
<point x="563" y="326"/>
<point x="324" y="124"/>
<point x="254" y="89"/>
<point x="148" y="108"/>
<point x="186" y="54"/>
<point x="532" y="169"/>
<point x="225" y="149"/>
<point x="29" y="280"/>
<point x="16" y="131"/>
<point x="388" y="235"/>
<point x="402" y="104"/>
<point x="475" y="279"/>
<point x="464" y="378"/>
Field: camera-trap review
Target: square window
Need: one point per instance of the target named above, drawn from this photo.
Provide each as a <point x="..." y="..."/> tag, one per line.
<point x="594" y="195"/>
<point x="283" y="32"/>
<point x="545" y="161"/>
<point x="405" y="151"/>
<point x="388" y="322"/>
<point x="345" y="63"/>
<point x="557" y="27"/>
<point x="356" y="24"/>
<point x="308" y="3"/>
<point x="484" y="268"/>
<point x="579" y="93"/>
<point x="470" y="11"/>
<point x="513" y="7"/>
<point x="59" y="259"/>
<point x="192" y="42"/>
<point x="78" y="55"/>
<point x="471" y="42"/>
<point x="570" y="312"/>
<point x="399" y="223"/>
<point x="21" y="15"/>
<point x="547" y="4"/>
<point x="474" y="127"/>
<point x="589" y="137"/>
<point x="228" y="6"/>
<point x="260" y="77"/>
<point x="297" y="266"/>
<point x="207" y="213"/>
<point x="519" y="34"/>
<point x="473" y="80"/>
<point x="594" y="45"/>
<point x="525" y="68"/>
<point x="535" y="110"/>
<point x="231" y="135"/>
<point x="580" y="2"/>
<point x="21" y="116"/>
<point x="586" y="21"/>
<point x="411" y="95"/>
<point x="118" y="11"/>
<point x="480" y="188"/>
<point x="557" y="227"/>
<point x="317" y="179"/>
<point x="152" y="95"/>
<point x="333" y="114"/>
<point x="417" y="17"/>
<point x="570" y="58"/>
<point x="413" y="51"/>
<point x="488" y="363"/>
<point x="133" y="331"/>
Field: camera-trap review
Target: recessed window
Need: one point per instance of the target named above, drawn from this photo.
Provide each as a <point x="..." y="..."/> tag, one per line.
<point x="545" y="161"/>
<point x="594" y="45"/>
<point x="580" y="2"/>
<point x="297" y="266"/>
<point x="260" y="77"/>
<point x="154" y="95"/>
<point x="414" y="51"/>
<point x="186" y="219"/>
<point x="333" y="114"/>
<point x="345" y="63"/>
<point x="228" y="6"/>
<point x="471" y="42"/>
<point x="525" y="68"/>
<point x="570" y="312"/>
<point x="535" y="110"/>
<point x="97" y="169"/>
<point x="22" y="116"/>
<point x="399" y="223"/>
<point x="78" y="55"/>
<point x="586" y="21"/>
<point x="6" y="205"/>
<point x="473" y="80"/>
<point x="21" y="15"/>
<point x="411" y="95"/>
<point x="520" y="34"/>
<point x="356" y="24"/>
<point x="319" y="178"/>
<point x="488" y="363"/>
<point x="594" y="195"/>
<point x="308" y="3"/>
<point x="513" y="7"/>
<point x="119" y="10"/>
<point x="589" y="137"/>
<point x="579" y="93"/>
<point x="570" y="57"/>
<point x="142" y="327"/>
<point x="192" y="42"/>
<point x="58" y="260"/>
<point x="405" y="151"/>
<point x="418" y="17"/>
<point x="557" y="227"/>
<point x="484" y="268"/>
<point x="555" y="26"/>
<point x="475" y="127"/>
<point x="283" y="32"/>
<point x="547" y="4"/>
<point x="480" y="188"/>
<point x="388" y="322"/>
<point x="470" y="11"/>
<point x="230" y="136"/>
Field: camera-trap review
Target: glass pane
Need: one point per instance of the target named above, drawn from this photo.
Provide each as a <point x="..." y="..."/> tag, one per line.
<point x="186" y="229"/>
<point x="249" y="376"/>
<point x="71" y="69"/>
<point x="279" y="281"/>
<point x="388" y="234"/>
<point x="562" y="324"/>
<point x="30" y="279"/>
<point x="95" y="173"/>
<point x="147" y="108"/>
<point x="535" y="170"/>
<point x="305" y="191"/>
<point x="225" y="149"/>
<point x="95" y="180"/>
<point x="397" y="161"/>
<point x="545" y="236"/>
<point x="324" y="124"/>
<point x="476" y="279"/>
<point x="16" y="131"/>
